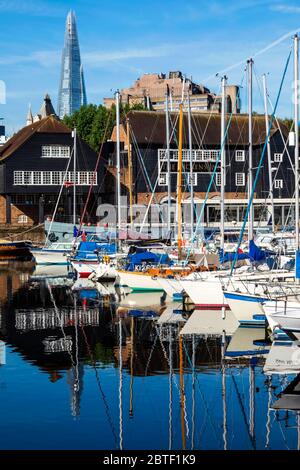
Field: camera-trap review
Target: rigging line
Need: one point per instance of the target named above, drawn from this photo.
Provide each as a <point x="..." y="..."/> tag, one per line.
<point x="207" y="192"/>
<point x="120" y="385"/>
<point x="284" y="141"/>
<point x="147" y="149"/>
<point x="152" y="197"/>
<point x="202" y="396"/>
<point x="170" y="388"/>
<point x="212" y="112"/>
<point x="219" y="156"/>
<point x="76" y="385"/>
<point x="58" y="198"/>
<point x="106" y="406"/>
<point x="150" y="355"/>
<point x="60" y="319"/>
<point x="149" y="182"/>
<point x="261" y="51"/>
<point x="96" y="167"/>
<point x="243" y="410"/>
<point x="259" y="166"/>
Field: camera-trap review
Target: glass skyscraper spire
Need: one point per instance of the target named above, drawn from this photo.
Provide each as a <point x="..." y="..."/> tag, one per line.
<point x="72" y="92"/>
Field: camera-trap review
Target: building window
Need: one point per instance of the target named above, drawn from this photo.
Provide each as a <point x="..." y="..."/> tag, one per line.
<point x="54" y="178"/>
<point x="162" y="179"/>
<point x="197" y="155"/>
<point x="46" y="178"/>
<point x="27" y="177"/>
<point x="240" y="155"/>
<point x="37" y="178"/>
<point x="194" y="179"/>
<point x="55" y="151"/>
<point x="278" y="184"/>
<point x="92" y="178"/>
<point x="218" y="179"/>
<point x="22" y="219"/>
<point x="240" y="179"/>
<point x="18" y="177"/>
<point x="278" y="157"/>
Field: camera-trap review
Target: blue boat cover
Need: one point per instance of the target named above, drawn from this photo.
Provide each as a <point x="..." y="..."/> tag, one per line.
<point x="297" y="270"/>
<point x="147" y="257"/>
<point x="225" y="257"/>
<point x="88" y="294"/>
<point x="142" y="313"/>
<point x="86" y="250"/>
<point x="255" y="254"/>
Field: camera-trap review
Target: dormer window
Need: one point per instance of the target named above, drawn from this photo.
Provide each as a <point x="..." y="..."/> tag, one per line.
<point x="55" y="151"/>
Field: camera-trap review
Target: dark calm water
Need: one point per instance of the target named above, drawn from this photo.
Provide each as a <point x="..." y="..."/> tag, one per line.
<point x="79" y="373"/>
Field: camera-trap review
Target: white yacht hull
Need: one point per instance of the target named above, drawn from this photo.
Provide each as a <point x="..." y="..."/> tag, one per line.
<point x="172" y="287"/>
<point x="47" y="257"/>
<point x="246" y="308"/>
<point x="84" y="269"/>
<point x="284" y="316"/>
<point x="205" y="294"/>
<point x="138" y="282"/>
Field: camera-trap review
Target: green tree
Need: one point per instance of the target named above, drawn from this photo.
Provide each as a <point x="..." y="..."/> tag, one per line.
<point x="95" y="123"/>
<point x="288" y="122"/>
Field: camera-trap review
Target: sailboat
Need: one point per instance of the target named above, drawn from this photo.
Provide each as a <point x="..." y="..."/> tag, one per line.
<point x="285" y="314"/>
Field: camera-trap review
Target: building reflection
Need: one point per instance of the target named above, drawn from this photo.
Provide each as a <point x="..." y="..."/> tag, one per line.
<point x="60" y="331"/>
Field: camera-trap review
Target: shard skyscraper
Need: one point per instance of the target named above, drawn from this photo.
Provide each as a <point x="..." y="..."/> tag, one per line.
<point x="72" y="92"/>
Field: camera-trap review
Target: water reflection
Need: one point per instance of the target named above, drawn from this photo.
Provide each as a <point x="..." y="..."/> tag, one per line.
<point x="148" y="373"/>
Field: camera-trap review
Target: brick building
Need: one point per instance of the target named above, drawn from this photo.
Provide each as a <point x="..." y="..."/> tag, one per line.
<point x="150" y="90"/>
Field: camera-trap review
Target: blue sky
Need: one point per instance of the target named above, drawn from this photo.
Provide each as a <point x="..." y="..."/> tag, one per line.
<point x="121" y="40"/>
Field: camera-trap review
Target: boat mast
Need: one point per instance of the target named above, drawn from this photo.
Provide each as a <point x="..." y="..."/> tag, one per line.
<point x="193" y="392"/>
<point x="120" y="387"/>
<point x="179" y="182"/>
<point x="296" y="124"/>
<point x="168" y="161"/>
<point x="131" y="367"/>
<point x="223" y="348"/>
<point x="170" y="387"/>
<point x="182" y="393"/>
<point x="252" y="404"/>
<point x="191" y="162"/>
<point x="250" y="170"/>
<point x="223" y="161"/>
<point x="118" y="164"/>
<point x="130" y="179"/>
<point x="271" y="195"/>
<point x="74" y="177"/>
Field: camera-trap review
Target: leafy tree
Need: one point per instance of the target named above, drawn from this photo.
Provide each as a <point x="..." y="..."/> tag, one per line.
<point x="288" y="122"/>
<point x="95" y="123"/>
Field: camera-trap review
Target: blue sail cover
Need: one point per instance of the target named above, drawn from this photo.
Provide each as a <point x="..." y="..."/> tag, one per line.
<point x="86" y="250"/>
<point x="147" y="257"/>
<point x="255" y="254"/>
<point x="225" y="257"/>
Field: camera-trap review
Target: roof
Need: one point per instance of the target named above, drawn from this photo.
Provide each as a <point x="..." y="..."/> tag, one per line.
<point x="47" y="107"/>
<point x="48" y="125"/>
<point x="149" y="127"/>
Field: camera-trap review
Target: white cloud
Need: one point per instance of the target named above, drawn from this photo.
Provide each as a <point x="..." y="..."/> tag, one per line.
<point x="286" y="8"/>
<point x="43" y="58"/>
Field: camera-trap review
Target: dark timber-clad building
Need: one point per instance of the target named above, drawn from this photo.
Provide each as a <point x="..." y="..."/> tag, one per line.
<point x="149" y="161"/>
<point x="36" y="164"/>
